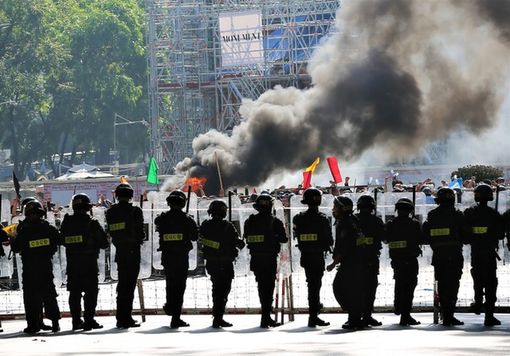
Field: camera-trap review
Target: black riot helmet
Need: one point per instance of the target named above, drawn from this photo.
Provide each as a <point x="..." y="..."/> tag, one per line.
<point x="343" y="202"/>
<point x="483" y="192"/>
<point x="264" y="202"/>
<point x="176" y="198"/>
<point x="24" y="202"/>
<point x="33" y="207"/>
<point x="124" y="190"/>
<point x="445" y="196"/>
<point x="366" y="202"/>
<point x="404" y="204"/>
<point x="217" y="208"/>
<point x="312" y="197"/>
<point x="81" y="201"/>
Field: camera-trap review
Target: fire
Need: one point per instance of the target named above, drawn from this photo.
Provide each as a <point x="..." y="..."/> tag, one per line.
<point x="196" y="183"/>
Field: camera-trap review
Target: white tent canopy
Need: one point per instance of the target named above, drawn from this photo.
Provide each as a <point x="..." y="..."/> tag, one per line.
<point x="84" y="171"/>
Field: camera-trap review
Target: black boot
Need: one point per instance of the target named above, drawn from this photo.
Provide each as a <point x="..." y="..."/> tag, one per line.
<point x="452" y="321"/>
<point x="267" y="322"/>
<point x="370" y="321"/>
<point x="177" y="322"/>
<point x="490" y="320"/>
<point x="314" y="320"/>
<point x="408" y="320"/>
<point x="55" y="326"/>
<point x="92" y="324"/>
<point x="77" y="324"/>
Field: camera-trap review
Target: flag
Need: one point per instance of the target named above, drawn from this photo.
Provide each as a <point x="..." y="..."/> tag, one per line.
<point x="335" y="170"/>
<point x="152" y="175"/>
<point x="17" y="187"/>
<point x="456" y="183"/>
<point x="307" y="174"/>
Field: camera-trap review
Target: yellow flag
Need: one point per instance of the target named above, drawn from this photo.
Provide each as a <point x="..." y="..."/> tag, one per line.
<point x="11" y="230"/>
<point x="314" y="165"/>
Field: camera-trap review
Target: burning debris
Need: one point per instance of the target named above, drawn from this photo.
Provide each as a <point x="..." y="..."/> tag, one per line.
<point x="398" y="74"/>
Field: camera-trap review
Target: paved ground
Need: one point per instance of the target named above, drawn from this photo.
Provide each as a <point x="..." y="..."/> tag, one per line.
<point x="154" y="337"/>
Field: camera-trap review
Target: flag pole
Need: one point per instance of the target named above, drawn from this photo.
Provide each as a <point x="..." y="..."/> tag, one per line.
<point x="219" y="174"/>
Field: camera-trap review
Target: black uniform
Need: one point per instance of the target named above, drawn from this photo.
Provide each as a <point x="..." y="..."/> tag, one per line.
<point x="176" y="231"/>
<point x="485" y="228"/>
<point x="445" y="231"/>
<point x="264" y="233"/>
<point x="37" y="242"/>
<point x="370" y="245"/>
<point x="313" y="233"/>
<point x="350" y="283"/>
<point x="220" y="241"/>
<point x="404" y="236"/>
<point x="125" y="226"/>
<point x="82" y="236"/>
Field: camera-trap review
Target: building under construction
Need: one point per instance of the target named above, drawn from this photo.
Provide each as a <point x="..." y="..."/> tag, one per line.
<point x="205" y="56"/>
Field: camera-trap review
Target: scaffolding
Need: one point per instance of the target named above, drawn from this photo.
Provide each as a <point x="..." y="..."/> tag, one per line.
<point x="191" y="90"/>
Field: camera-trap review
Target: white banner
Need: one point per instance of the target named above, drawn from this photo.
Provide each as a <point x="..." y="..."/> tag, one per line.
<point x="241" y="38"/>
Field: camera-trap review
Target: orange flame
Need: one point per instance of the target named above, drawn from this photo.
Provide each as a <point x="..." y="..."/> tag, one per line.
<point x="196" y="183"/>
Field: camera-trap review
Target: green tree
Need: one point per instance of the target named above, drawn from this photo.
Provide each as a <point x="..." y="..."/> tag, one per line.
<point x="479" y="171"/>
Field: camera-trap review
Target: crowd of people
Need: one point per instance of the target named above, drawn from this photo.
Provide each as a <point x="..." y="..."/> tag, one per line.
<point x="356" y="251"/>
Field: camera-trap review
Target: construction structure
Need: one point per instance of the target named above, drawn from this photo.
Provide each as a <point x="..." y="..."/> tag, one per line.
<point x="206" y="56"/>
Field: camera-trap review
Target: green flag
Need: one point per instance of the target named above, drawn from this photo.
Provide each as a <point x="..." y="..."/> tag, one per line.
<point x="152" y="175"/>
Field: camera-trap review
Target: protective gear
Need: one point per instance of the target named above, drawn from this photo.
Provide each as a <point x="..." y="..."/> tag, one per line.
<point x="25" y="202"/>
<point x="177" y="197"/>
<point x="366" y="202"/>
<point x="81" y="201"/>
<point x="483" y="192"/>
<point x="312" y="196"/>
<point x="427" y="191"/>
<point x="264" y="202"/>
<point x="342" y="202"/>
<point x="218" y="207"/>
<point x="34" y="207"/>
<point x="126" y="228"/>
<point x="124" y="190"/>
<point x="220" y="239"/>
<point x="404" y="204"/>
<point x="445" y="196"/>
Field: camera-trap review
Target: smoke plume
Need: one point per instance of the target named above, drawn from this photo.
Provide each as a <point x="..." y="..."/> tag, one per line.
<point x="396" y="75"/>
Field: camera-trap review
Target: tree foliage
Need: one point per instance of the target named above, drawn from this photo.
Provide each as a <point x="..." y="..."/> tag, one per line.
<point x="479" y="171"/>
<point x="66" y="67"/>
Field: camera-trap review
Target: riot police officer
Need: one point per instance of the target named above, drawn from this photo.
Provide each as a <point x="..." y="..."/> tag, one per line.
<point x="82" y="237"/>
<point x="445" y="231"/>
<point x="176" y="231"/>
<point x="264" y="233"/>
<point x="125" y="226"/>
<point x="370" y="245"/>
<point x="313" y="233"/>
<point x="349" y="283"/>
<point x="37" y="242"/>
<point x="404" y="236"/>
<point x="220" y="242"/>
<point x="486" y="228"/>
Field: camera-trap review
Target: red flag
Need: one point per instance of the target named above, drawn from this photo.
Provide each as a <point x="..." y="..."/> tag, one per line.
<point x="307" y="174"/>
<point x="335" y="170"/>
<point x="307" y="179"/>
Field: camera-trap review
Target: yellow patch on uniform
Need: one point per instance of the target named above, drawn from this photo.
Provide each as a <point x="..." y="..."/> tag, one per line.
<point x="397" y="244"/>
<point x="255" y="238"/>
<point x="211" y="243"/>
<point x="172" y="237"/>
<point x="73" y="239"/>
<point x="480" y="229"/>
<point x="117" y="226"/>
<point x="360" y="241"/>
<point x="308" y="237"/>
<point x="440" y="232"/>
<point x="39" y="243"/>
